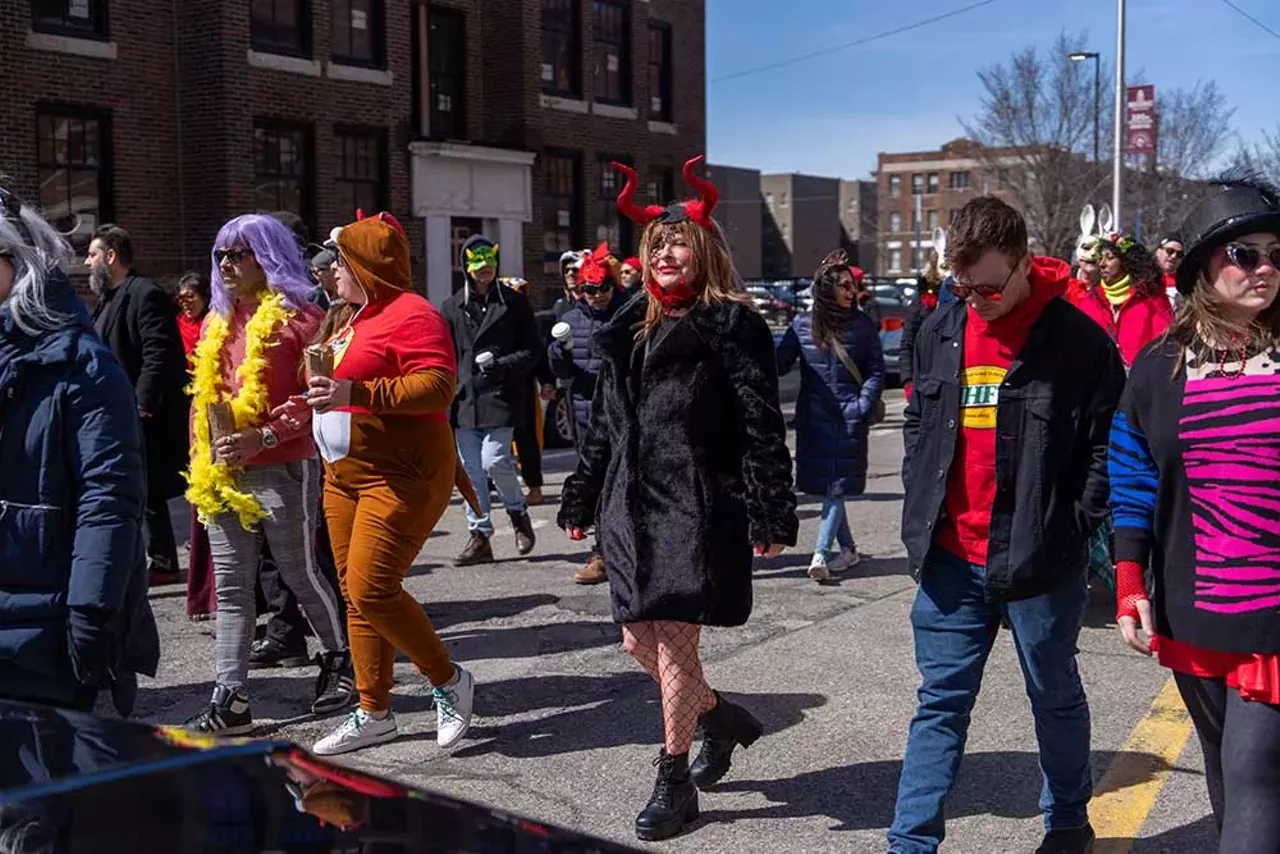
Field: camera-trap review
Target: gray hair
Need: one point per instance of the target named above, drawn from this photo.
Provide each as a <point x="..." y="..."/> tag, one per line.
<point x="36" y="249"/>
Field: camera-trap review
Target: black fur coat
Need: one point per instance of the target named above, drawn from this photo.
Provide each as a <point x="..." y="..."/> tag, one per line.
<point x="686" y="463"/>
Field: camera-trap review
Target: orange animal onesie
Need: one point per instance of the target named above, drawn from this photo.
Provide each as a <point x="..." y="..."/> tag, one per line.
<point x="389" y="458"/>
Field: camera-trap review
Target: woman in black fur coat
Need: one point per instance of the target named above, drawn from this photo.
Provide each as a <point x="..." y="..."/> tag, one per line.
<point x="684" y="469"/>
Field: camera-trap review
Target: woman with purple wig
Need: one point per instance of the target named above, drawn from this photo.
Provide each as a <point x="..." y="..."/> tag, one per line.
<point x="254" y="477"/>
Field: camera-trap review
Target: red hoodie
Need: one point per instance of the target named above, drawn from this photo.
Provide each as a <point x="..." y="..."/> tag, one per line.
<point x="1138" y="321"/>
<point x="989" y="350"/>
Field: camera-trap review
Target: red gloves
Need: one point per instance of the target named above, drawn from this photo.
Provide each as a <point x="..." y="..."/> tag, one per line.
<point x="1131" y="588"/>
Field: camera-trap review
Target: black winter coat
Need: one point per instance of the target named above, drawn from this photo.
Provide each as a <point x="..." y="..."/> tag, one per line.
<point x="833" y="409"/>
<point x="686" y="464"/>
<point x="1053" y="421"/>
<point x="502" y="396"/>
<point x="140" y="325"/>
<point x="581" y="365"/>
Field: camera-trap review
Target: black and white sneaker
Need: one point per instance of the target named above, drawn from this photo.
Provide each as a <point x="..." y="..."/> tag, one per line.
<point x="336" y="684"/>
<point x="228" y="713"/>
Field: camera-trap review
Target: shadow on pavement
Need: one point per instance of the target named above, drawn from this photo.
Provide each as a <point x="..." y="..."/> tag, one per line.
<point x="451" y="613"/>
<point x="623" y="708"/>
<point x="862" y="796"/>
<point x="1199" y="836"/>
<point x="531" y="641"/>
<point x="276" y="698"/>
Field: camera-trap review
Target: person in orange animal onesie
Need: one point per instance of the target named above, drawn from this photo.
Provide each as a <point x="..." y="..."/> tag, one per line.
<point x="382" y="427"/>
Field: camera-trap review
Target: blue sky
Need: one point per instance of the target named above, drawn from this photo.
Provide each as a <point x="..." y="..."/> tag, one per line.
<point x="832" y="114"/>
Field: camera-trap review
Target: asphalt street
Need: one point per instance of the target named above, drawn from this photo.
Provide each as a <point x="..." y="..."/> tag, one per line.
<point x="567" y="726"/>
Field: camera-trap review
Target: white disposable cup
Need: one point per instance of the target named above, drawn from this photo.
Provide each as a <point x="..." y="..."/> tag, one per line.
<point x="563" y="333"/>
<point x="484" y="361"/>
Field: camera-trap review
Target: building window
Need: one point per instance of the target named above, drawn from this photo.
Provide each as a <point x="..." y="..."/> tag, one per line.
<point x="82" y="18"/>
<point x="961" y="180"/>
<point x="660" y="72"/>
<point x="281" y="26"/>
<point x="895" y="260"/>
<point x="561" y="50"/>
<point x="662" y="187"/>
<point x="933" y="182"/>
<point x="917" y="185"/>
<point x="447" y="58"/>
<point x="360" y="170"/>
<point x="895" y="186"/>
<point x="73" y="161"/>
<point x="357" y="33"/>
<point x="562" y="201"/>
<point x="613" y="51"/>
<point x="613" y="227"/>
<point x="931" y="220"/>
<point x="951" y="215"/>
<point x="768" y="199"/>
<point x="895" y="221"/>
<point x="282" y="168"/>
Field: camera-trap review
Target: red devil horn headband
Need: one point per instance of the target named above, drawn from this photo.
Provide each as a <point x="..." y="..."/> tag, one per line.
<point x="708" y="195"/>
<point x="627" y="198"/>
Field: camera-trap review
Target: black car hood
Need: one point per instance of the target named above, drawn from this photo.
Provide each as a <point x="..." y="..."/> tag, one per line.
<point x="72" y="782"/>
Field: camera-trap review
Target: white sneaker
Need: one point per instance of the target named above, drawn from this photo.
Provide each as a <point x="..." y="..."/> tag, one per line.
<point x="357" y="730"/>
<point x="847" y="559"/>
<point x="818" y="567"/>
<point x="453" y="708"/>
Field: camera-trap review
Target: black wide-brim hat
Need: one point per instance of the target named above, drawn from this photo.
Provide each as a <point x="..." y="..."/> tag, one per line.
<point x="1230" y="211"/>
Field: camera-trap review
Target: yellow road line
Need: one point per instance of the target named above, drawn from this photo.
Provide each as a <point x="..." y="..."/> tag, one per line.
<point x="1128" y="790"/>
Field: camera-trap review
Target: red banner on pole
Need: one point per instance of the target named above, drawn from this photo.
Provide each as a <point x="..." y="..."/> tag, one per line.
<point x="1140" y="120"/>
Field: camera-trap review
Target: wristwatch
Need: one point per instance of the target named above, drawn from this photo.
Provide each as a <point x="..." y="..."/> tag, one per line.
<point x="269" y="438"/>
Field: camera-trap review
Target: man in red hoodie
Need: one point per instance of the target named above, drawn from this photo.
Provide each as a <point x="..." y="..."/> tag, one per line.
<point x="1005" y="474"/>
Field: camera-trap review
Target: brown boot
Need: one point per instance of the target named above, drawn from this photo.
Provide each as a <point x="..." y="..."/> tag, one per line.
<point x="534" y="497"/>
<point x="478" y="550"/>
<point x="592" y="573"/>
<point x="524" y="532"/>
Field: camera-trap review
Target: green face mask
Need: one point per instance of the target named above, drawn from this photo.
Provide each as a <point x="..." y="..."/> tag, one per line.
<point x="481" y="257"/>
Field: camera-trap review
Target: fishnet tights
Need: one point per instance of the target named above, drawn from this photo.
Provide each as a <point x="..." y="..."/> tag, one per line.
<point x="668" y="651"/>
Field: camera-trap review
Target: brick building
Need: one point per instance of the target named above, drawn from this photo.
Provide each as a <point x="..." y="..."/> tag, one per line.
<point x="919" y="191"/>
<point x="457" y="115"/>
<point x="740" y="213"/>
<point x="860" y="224"/>
<point x="801" y="223"/>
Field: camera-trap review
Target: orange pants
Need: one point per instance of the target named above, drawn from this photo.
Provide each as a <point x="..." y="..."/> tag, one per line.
<point x="377" y="532"/>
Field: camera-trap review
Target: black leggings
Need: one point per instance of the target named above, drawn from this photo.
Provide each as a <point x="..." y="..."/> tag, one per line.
<point x="1241" y="744"/>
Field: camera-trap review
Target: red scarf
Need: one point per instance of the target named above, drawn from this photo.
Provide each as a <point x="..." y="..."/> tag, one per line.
<point x="929" y="300"/>
<point x="681" y="295"/>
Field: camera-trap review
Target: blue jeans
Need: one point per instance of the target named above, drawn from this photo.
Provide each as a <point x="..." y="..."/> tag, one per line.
<point x="486" y="455"/>
<point x="955" y="626"/>
<point x="834" y="527"/>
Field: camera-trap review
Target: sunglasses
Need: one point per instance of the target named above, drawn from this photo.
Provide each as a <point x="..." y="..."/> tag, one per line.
<point x="1250" y="258"/>
<point x="232" y="255"/>
<point x="1173" y="253"/>
<point x="991" y="292"/>
<point x="596" y="290"/>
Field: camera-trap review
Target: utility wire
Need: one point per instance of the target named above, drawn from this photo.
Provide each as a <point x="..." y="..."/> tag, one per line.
<point x="857" y="43"/>
<point x="1251" y="18"/>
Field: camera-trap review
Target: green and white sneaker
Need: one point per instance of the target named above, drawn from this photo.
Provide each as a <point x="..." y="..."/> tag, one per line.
<point x="453" y="708"/>
<point x="357" y="731"/>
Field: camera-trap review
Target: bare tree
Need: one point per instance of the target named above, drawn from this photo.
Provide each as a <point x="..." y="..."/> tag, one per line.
<point x="1193" y="134"/>
<point x="1034" y="126"/>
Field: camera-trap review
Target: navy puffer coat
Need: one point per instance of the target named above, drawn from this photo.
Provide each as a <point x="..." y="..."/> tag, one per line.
<point x="833" y="409"/>
<point x="581" y="364"/>
<point x="74" y="616"/>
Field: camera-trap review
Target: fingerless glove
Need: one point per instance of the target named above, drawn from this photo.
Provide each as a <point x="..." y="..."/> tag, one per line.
<point x="1131" y="588"/>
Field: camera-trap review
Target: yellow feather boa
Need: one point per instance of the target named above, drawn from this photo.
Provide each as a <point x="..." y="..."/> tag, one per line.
<point x="211" y="486"/>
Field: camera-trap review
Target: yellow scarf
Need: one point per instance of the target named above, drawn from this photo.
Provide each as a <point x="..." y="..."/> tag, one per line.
<point x="211" y="486"/>
<point x="1117" y="292"/>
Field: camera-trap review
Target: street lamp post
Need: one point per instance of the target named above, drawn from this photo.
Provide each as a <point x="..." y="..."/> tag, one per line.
<point x="1117" y="180"/>
<point x="1081" y="56"/>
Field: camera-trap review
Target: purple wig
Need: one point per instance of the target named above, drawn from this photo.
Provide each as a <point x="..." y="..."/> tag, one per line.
<point x="277" y="253"/>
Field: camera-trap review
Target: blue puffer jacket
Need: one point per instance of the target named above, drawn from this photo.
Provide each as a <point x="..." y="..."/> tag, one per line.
<point x="74" y="616"/>
<point x="581" y="365"/>
<point x="832" y="410"/>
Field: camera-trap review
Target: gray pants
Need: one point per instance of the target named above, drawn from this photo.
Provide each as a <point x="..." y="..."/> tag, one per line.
<point x="290" y="493"/>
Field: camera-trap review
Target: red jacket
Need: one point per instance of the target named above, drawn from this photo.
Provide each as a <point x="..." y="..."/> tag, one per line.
<point x="1141" y="319"/>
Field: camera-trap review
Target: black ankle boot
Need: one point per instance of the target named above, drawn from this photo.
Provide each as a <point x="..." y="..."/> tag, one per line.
<point x="724" y="727"/>
<point x="674" y="803"/>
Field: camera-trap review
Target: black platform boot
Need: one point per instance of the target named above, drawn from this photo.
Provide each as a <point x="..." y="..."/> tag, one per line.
<point x="723" y="728"/>
<point x="674" y="802"/>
